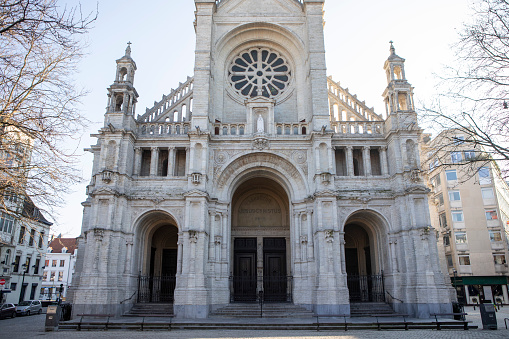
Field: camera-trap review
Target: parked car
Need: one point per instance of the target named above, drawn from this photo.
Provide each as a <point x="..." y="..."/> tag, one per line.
<point x="29" y="307"/>
<point x="7" y="310"/>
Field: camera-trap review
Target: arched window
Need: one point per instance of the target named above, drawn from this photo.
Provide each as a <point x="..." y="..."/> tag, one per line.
<point x="336" y="112"/>
<point x="233" y="130"/>
<point x="216" y="131"/>
<point x="304" y="131"/>
<point x="184" y="112"/>
<point x="241" y="130"/>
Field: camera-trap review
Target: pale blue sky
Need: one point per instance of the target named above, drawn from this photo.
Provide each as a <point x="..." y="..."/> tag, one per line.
<point x="357" y="35"/>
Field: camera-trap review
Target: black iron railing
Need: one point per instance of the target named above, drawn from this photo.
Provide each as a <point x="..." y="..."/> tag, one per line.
<point x="156" y="289"/>
<point x="366" y="288"/>
<point x="275" y="289"/>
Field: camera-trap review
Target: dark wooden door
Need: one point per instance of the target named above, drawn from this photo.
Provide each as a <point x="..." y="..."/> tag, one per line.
<point x="244" y="269"/>
<point x="274" y="269"/>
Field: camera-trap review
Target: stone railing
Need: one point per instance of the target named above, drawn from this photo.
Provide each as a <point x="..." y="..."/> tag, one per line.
<point x="170" y="102"/>
<point x="166" y="129"/>
<point x="229" y="129"/>
<point x="357" y="128"/>
<point x="292" y="129"/>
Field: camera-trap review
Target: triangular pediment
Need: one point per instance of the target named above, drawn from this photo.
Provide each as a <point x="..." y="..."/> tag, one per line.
<point x="262" y="7"/>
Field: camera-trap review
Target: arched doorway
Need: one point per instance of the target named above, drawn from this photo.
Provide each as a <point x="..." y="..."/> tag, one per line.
<point x="156" y="283"/>
<point x="261" y="242"/>
<point x="364" y="258"/>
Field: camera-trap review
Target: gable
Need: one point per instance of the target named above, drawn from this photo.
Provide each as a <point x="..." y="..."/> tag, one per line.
<point x="259" y="7"/>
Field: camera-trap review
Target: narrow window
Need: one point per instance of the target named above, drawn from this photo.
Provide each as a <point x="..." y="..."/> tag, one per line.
<point x="32" y="237"/>
<point x="22" y="232"/>
<point x="461" y="237"/>
<point x="180" y="163"/>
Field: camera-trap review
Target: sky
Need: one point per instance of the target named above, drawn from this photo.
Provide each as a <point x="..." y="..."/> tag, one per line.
<point x="357" y="35"/>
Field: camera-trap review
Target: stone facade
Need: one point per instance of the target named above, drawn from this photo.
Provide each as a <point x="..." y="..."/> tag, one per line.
<point x="258" y="166"/>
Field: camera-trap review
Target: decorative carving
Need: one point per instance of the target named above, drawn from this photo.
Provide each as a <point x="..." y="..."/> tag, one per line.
<point x="196" y="178"/>
<point x="329" y="236"/>
<point x="217" y="240"/>
<point x="415" y="175"/>
<point x="299" y="157"/>
<point x="261" y="143"/>
<point x="106" y="176"/>
<point x="325" y="178"/>
<point x="221" y="157"/>
<point x="303" y="239"/>
<point x="193" y="236"/>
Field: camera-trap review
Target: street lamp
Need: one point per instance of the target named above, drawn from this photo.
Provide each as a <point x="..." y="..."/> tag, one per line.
<point x="21" y="295"/>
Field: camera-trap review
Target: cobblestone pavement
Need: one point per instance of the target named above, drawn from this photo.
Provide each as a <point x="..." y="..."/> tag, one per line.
<point x="32" y="327"/>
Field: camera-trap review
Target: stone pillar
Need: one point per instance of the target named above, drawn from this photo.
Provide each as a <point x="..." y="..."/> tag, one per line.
<point x="383" y="160"/>
<point x="349" y="160"/>
<point x="317" y="160"/>
<point x="342" y="243"/>
<point x="171" y="161"/>
<point x="331" y="157"/>
<point x="367" y="160"/>
<point x="186" y="172"/>
<point x="137" y="161"/>
<point x="154" y="161"/>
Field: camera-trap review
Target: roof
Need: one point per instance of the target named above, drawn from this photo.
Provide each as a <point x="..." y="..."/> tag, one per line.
<point x="32" y="212"/>
<point x="58" y="243"/>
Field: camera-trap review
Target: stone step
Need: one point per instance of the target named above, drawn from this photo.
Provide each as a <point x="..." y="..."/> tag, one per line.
<point x="151" y="310"/>
<point x="269" y="310"/>
<point x="369" y="309"/>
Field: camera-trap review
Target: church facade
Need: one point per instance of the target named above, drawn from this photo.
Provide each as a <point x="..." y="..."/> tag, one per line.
<point x="258" y="177"/>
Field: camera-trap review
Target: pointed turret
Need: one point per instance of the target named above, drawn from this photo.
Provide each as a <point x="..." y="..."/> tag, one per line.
<point x="122" y="95"/>
<point x="398" y="95"/>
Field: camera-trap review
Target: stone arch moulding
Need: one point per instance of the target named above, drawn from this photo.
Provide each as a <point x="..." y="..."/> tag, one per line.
<point x="386" y="225"/>
<point x="378" y="227"/>
<point x="143" y="228"/>
<point x="274" y="166"/>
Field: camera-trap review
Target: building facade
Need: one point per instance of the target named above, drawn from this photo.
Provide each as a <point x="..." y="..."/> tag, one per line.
<point x="59" y="267"/>
<point x="259" y="173"/>
<point x="23" y="257"/>
<point x="470" y="209"/>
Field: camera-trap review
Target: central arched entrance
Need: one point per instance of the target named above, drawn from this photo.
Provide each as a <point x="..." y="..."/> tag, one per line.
<point x="261" y="242"/>
<point x="156" y="283"/>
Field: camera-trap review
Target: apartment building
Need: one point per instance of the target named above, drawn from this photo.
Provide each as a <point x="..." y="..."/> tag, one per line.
<point x="469" y="207"/>
<point x="58" y="268"/>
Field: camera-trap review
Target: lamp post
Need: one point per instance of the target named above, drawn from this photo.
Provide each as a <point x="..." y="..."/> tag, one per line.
<point x="21" y="294"/>
<point x="455" y="273"/>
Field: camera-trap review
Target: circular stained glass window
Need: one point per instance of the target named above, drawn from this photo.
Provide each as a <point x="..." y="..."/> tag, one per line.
<point x="259" y="72"/>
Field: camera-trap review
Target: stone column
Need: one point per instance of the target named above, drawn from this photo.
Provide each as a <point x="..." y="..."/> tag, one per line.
<point x="342" y="243"/>
<point x="171" y="161"/>
<point x="331" y="157"/>
<point x="137" y="161"/>
<point x="186" y="172"/>
<point x="317" y="160"/>
<point x="367" y="160"/>
<point x="349" y="160"/>
<point x="154" y="161"/>
<point x="383" y="160"/>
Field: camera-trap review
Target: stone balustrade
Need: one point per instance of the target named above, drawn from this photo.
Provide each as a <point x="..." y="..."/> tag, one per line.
<point x="355" y="128"/>
<point x="164" y="129"/>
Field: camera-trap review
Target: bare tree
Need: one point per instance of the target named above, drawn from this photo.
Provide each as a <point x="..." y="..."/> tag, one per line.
<point x="40" y="45"/>
<point x="474" y="99"/>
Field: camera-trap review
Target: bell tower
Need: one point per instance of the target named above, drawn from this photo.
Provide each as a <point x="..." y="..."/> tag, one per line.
<point x="122" y="95"/>
<point x="398" y="95"/>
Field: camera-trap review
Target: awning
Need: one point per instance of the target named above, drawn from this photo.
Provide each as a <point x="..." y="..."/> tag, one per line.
<point x="480" y="280"/>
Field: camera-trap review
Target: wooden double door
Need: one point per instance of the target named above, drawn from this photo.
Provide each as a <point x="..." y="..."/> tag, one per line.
<point x="246" y="280"/>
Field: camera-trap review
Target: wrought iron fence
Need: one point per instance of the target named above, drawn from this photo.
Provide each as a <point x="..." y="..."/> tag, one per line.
<point x="366" y="288"/>
<point x="156" y="289"/>
<point x="275" y="289"/>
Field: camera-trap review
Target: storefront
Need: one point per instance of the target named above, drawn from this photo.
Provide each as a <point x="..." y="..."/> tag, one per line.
<point x="475" y="290"/>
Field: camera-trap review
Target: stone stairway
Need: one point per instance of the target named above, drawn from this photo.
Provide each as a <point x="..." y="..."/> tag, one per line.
<point x="150" y="310"/>
<point x="270" y="310"/>
<point x="369" y="309"/>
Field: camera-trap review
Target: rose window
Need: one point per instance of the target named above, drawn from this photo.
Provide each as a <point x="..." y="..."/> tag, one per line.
<point x="259" y="72"/>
